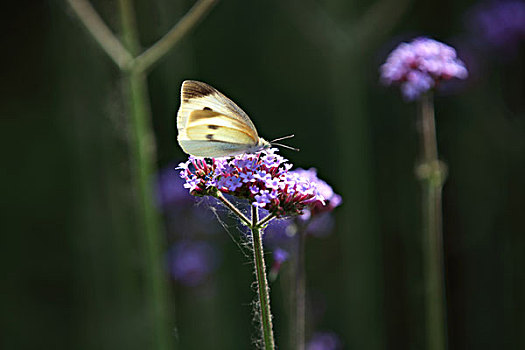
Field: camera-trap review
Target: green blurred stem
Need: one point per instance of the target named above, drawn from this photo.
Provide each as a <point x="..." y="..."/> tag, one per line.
<point x="171" y="38"/>
<point x="143" y="159"/>
<point x="133" y="66"/>
<point x="127" y="56"/>
<point x="101" y="33"/>
<point x="262" y="282"/>
<point x="143" y="155"/>
<point x="431" y="172"/>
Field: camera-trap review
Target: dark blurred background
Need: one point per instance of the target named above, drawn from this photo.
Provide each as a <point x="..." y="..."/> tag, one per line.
<point x="70" y="248"/>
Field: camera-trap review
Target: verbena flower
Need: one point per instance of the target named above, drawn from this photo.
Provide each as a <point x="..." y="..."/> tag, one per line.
<point x="419" y="66"/>
<point x="262" y="178"/>
<point x="331" y="199"/>
<point x="316" y="218"/>
<point x="324" y="341"/>
<point x="169" y="189"/>
<point x="191" y="262"/>
<point x="498" y="24"/>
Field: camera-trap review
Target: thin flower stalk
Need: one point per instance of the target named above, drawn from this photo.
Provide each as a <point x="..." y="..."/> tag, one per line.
<point x="234" y="209"/>
<point x="262" y="282"/>
<point x="431" y="172"/>
<point x="299" y="300"/>
<point x="263" y="222"/>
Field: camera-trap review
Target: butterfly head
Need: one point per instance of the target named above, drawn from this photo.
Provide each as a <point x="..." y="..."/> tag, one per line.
<point x="263" y="144"/>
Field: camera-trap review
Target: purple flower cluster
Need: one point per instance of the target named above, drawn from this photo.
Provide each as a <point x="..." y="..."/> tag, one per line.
<point x="499" y="24"/>
<point x="420" y="66"/>
<point x="316" y="219"/>
<point x="263" y="178"/>
<point x="331" y="199"/>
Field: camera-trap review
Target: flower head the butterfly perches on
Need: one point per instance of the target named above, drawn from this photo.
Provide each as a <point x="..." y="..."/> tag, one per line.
<point x="209" y="124"/>
<point x="262" y="178"/>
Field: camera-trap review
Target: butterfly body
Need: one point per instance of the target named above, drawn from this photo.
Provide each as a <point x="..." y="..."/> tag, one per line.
<point x="211" y="125"/>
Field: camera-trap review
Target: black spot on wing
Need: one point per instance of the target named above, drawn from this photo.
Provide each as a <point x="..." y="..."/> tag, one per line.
<point x="207" y="109"/>
<point x="202" y="114"/>
<point x="209" y="136"/>
<point x="195" y="89"/>
<point x="213" y="127"/>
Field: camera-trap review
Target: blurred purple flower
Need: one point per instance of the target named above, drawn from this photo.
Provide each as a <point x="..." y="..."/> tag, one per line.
<point x="169" y="188"/>
<point x="279" y="257"/>
<point x="191" y="262"/>
<point x="320" y="225"/>
<point x="182" y="215"/>
<point x="498" y="24"/>
<point x="420" y="66"/>
<point x="279" y="232"/>
<point x="263" y="178"/>
<point x="324" y="341"/>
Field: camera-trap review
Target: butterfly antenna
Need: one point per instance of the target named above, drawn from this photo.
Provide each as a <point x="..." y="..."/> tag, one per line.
<point x="285" y="146"/>
<point x="282" y="138"/>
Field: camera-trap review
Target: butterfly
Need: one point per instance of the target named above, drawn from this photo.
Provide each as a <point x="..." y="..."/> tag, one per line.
<point x="209" y="124"/>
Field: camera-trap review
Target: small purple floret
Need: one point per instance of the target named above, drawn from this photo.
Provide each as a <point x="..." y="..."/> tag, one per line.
<point x="420" y="66"/>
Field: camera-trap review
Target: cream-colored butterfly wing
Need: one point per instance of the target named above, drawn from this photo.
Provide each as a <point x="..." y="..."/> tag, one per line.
<point x="210" y="125"/>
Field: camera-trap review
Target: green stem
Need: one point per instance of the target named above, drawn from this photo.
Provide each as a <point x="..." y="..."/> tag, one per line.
<point x="101" y="33"/>
<point x="431" y="173"/>
<point x="143" y="162"/>
<point x="133" y="69"/>
<point x="266" y="220"/>
<point x="234" y="209"/>
<point x="298" y="319"/>
<point x="262" y="283"/>
<point x="152" y="55"/>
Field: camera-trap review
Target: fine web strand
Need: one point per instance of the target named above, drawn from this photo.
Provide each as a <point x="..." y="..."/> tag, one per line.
<point x="218" y="209"/>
